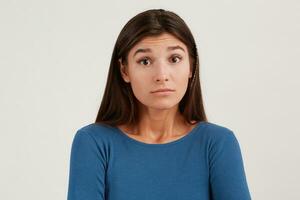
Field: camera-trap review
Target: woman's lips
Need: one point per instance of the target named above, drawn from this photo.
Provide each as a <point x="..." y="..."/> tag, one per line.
<point x="164" y="90"/>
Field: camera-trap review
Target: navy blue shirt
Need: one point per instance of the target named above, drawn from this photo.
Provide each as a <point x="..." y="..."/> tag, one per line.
<point x="204" y="164"/>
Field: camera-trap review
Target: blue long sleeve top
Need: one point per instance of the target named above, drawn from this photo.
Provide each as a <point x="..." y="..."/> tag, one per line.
<point x="205" y="164"/>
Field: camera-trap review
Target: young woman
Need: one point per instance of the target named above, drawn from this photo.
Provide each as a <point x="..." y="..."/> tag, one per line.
<point x="151" y="139"/>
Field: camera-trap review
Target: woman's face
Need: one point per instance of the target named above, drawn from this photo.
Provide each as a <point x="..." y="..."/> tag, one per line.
<point x="156" y="63"/>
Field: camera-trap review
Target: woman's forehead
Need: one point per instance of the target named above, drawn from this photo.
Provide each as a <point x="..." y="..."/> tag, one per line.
<point x="158" y="40"/>
<point x="167" y="41"/>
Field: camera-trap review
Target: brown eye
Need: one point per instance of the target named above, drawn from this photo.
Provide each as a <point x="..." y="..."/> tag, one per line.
<point x="144" y="61"/>
<point x="176" y="59"/>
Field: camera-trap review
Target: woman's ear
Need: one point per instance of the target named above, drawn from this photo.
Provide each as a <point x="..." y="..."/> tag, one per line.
<point x="191" y="72"/>
<point x="124" y="71"/>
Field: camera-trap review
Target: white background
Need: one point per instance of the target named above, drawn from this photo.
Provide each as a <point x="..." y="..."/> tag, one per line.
<point x="54" y="59"/>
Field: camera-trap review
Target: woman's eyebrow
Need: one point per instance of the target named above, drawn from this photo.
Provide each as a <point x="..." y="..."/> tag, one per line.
<point x="176" y="47"/>
<point x="149" y="50"/>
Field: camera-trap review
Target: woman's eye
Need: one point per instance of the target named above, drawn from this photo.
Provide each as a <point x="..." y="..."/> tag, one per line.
<point x="144" y="61"/>
<point x="175" y="59"/>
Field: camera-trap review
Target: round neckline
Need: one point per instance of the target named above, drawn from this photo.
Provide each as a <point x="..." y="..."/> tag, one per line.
<point x="185" y="137"/>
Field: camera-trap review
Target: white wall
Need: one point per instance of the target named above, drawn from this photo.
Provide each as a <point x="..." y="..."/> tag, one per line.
<point x="54" y="59"/>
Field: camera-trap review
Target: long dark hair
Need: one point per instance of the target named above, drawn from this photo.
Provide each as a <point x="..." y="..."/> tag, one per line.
<point x="119" y="105"/>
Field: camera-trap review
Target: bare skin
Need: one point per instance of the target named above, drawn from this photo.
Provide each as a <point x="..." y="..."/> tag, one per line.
<point x="163" y="62"/>
<point x="158" y="138"/>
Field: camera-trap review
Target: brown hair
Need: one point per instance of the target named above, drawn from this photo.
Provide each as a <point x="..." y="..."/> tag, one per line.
<point x="119" y="105"/>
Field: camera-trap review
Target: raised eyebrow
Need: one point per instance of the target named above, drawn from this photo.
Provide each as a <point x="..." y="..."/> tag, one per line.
<point x="176" y="47"/>
<point x="141" y="51"/>
<point x="149" y="50"/>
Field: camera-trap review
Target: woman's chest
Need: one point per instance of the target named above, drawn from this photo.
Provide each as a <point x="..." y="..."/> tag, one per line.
<point x="158" y="174"/>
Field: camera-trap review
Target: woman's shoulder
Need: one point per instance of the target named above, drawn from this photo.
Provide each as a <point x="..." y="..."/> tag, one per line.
<point x="216" y="132"/>
<point x="96" y="131"/>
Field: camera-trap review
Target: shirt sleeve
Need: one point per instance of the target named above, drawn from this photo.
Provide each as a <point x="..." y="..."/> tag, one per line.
<point x="87" y="169"/>
<point x="227" y="175"/>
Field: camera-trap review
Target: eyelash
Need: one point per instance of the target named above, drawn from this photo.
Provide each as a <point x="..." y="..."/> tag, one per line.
<point x="145" y="58"/>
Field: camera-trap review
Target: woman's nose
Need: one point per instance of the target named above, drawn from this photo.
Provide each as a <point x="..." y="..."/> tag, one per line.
<point x="161" y="79"/>
<point x="161" y="72"/>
